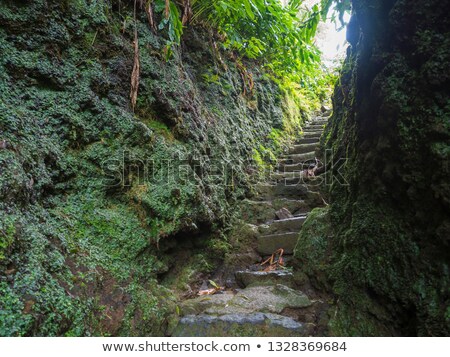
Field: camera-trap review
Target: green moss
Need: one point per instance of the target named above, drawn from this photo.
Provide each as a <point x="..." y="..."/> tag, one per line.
<point x="7" y="232"/>
<point x="360" y="316"/>
<point x="37" y="275"/>
<point x="312" y="251"/>
<point x="160" y="128"/>
<point x="153" y="311"/>
<point x="389" y="256"/>
<point x="380" y="244"/>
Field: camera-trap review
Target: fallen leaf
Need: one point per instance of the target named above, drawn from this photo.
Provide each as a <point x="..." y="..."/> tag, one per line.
<point x="214" y="284"/>
<point x="275" y="261"/>
<point x="207" y="292"/>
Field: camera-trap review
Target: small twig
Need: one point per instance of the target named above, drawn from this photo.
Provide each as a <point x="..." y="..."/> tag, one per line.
<point x="95" y="37"/>
<point x="274" y="264"/>
<point x="136" y="66"/>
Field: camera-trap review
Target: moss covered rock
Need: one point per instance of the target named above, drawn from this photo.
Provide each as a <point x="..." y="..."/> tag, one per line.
<point x="238" y="325"/>
<point x="388" y="253"/>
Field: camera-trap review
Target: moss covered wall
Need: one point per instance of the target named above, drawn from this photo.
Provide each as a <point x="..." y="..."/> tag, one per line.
<point x="79" y="254"/>
<point x="388" y="256"/>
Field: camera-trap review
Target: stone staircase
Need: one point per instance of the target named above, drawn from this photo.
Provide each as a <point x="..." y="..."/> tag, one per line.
<point x="258" y="302"/>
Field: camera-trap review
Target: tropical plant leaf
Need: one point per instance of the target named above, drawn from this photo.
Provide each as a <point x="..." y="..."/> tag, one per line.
<point x="214" y="284"/>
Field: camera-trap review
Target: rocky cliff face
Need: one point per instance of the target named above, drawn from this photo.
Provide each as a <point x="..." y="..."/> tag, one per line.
<point x="386" y="248"/>
<point x="89" y="190"/>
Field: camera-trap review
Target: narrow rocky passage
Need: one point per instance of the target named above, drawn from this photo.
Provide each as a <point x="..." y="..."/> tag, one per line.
<point x="267" y="299"/>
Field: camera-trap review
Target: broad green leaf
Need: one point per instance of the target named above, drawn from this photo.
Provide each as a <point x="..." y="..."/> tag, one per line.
<point x="248" y="9"/>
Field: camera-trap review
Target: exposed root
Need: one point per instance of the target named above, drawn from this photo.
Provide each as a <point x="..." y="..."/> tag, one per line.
<point x="136" y="67"/>
<point x="150" y="16"/>
<point x="187" y="12"/>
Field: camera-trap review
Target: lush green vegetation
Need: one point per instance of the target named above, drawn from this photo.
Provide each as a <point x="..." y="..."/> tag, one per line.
<point x="280" y="38"/>
<point x="67" y="242"/>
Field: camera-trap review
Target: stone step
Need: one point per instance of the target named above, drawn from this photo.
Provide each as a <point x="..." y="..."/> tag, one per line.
<point x="268" y="244"/>
<point x="287" y="175"/>
<point x="261" y="298"/>
<point x="260" y="278"/>
<point x="304" y="179"/>
<point x="283" y="225"/>
<point x="294" y="206"/>
<point x="297" y="181"/>
<point x="295" y="167"/>
<point x="258" y="212"/>
<point x="308" y="140"/>
<point x="296" y="158"/>
<point x="313" y="134"/>
<point x="303" y="148"/>
<point x="232" y="325"/>
<point x="310" y="129"/>
<point x="315" y="126"/>
<point x="291" y="166"/>
<point x="268" y="192"/>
